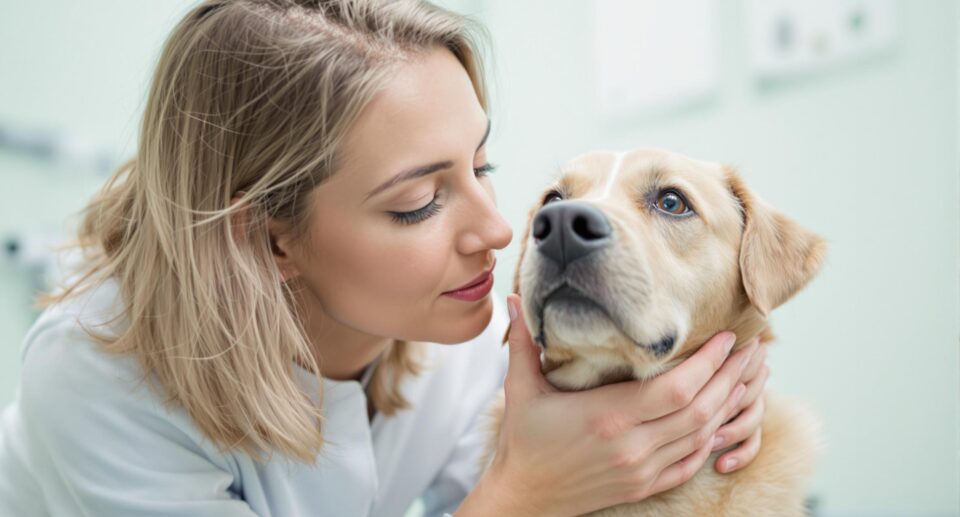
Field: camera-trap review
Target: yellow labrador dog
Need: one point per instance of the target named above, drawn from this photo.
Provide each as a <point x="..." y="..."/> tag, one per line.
<point x="631" y="261"/>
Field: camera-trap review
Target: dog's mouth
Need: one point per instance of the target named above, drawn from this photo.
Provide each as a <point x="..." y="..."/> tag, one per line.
<point x="574" y="299"/>
<point x="568" y="295"/>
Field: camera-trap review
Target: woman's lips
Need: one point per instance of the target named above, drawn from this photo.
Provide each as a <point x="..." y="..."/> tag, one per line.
<point x="476" y="289"/>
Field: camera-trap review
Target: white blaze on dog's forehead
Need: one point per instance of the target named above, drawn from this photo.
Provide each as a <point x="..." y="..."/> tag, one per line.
<point x="612" y="175"/>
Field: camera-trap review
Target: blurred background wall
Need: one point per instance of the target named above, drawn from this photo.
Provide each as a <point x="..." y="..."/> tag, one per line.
<point x="862" y="149"/>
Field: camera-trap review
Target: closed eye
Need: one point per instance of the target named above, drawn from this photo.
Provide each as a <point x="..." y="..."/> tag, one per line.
<point x="433" y="207"/>
<point x="420" y="214"/>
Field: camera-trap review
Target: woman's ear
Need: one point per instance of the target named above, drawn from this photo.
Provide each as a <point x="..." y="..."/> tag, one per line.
<point x="777" y="256"/>
<point x="239" y="220"/>
<point x="281" y="248"/>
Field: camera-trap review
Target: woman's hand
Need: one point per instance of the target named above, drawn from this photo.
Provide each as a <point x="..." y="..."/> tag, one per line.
<point x="569" y="453"/>
<point x="745" y="427"/>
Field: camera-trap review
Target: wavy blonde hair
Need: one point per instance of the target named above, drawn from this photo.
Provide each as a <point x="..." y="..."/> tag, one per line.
<point x="249" y="97"/>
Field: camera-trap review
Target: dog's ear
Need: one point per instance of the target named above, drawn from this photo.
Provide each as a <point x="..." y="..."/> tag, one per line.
<point x="777" y="255"/>
<point x="523" y="249"/>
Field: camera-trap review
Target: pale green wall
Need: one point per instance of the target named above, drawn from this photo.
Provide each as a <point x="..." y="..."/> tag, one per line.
<point x="80" y="68"/>
<point x="866" y="155"/>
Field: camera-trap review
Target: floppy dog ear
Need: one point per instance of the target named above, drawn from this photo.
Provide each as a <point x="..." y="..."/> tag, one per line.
<point x="777" y="255"/>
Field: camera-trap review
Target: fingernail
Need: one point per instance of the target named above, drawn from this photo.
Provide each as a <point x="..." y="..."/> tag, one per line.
<point x="739" y="391"/>
<point x="729" y="464"/>
<point x="511" y="308"/>
<point x="717" y="441"/>
<point x="728" y="342"/>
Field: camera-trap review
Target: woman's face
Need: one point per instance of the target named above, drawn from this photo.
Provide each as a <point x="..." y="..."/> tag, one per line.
<point x="388" y="245"/>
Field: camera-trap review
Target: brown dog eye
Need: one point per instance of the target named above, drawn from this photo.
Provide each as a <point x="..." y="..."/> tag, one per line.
<point x="552" y="196"/>
<point x="672" y="203"/>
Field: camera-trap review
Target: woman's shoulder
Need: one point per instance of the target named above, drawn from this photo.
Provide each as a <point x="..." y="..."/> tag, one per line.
<point x="57" y="349"/>
<point x="90" y="432"/>
<point x="68" y="379"/>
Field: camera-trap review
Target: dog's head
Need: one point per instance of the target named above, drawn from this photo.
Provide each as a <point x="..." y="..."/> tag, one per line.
<point x="632" y="260"/>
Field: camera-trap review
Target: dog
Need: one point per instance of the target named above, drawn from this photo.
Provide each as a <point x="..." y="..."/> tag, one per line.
<point x="629" y="262"/>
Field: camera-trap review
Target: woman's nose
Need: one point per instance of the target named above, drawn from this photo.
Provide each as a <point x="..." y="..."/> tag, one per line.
<point x="485" y="227"/>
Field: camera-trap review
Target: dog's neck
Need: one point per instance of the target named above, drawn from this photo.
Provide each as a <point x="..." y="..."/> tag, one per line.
<point x="748" y="324"/>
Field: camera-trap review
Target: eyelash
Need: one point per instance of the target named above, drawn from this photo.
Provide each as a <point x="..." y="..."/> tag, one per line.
<point x="431" y="208"/>
<point x="484" y="169"/>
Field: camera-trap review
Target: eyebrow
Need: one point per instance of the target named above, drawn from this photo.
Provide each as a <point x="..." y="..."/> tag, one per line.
<point x="422" y="170"/>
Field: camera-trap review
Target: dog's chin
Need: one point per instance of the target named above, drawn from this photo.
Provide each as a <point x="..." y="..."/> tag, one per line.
<point x="568" y="318"/>
<point x="575" y="321"/>
<point x="590" y="346"/>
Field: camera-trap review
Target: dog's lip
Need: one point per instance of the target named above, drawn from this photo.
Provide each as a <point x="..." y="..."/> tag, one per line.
<point x="482" y="277"/>
<point x="563" y="290"/>
<point x="660" y="348"/>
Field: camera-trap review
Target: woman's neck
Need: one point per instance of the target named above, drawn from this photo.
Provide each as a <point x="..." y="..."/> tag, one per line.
<point x="345" y="355"/>
<point x="341" y="352"/>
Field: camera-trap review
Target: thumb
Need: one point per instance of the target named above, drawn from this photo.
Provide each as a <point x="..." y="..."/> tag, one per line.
<point x="524" y="379"/>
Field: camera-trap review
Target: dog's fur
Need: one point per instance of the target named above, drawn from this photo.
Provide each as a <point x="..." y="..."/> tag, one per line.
<point x="725" y="267"/>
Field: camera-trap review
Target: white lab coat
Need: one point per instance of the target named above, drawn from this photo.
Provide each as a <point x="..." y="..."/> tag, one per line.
<point x="82" y="439"/>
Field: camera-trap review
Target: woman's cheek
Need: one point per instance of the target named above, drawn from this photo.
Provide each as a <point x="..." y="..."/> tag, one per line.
<point x="416" y="262"/>
<point x="393" y="264"/>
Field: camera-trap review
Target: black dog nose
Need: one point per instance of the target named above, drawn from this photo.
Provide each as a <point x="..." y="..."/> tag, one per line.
<point x="567" y="230"/>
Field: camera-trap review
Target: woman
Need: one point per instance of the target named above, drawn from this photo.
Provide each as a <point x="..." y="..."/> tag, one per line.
<point x="257" y="326"/>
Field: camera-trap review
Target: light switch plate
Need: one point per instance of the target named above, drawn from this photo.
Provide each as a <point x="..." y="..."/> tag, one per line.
<point x="794" y="37"/>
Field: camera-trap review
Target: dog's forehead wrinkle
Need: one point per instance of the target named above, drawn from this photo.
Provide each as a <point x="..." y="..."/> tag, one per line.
<point x="595" y="173"/>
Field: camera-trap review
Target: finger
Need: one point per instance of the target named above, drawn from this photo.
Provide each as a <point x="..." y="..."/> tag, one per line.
<point x="653" y="398"/>
<point x="754" y="390"/>
<point x="524" y="379"/>
<point x="704" y="407"/>
<point x="677" y="449"/>
<point x="681" y="463"/>
<point x="742" y="455"/>
<point x="756" y="362"/>
<point x="741" y="427"/>
<point x="680" y="472"/>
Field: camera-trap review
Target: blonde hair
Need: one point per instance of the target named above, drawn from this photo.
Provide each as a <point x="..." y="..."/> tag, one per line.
<point x="250" y="97"/>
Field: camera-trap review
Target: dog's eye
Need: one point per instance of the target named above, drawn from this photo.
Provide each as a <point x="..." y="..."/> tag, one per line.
<point x="553" y="195"/>
<point x="673" y="203"/>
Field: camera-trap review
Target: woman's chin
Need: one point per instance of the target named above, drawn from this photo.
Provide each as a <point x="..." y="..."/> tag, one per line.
<point x="464" y="323"/>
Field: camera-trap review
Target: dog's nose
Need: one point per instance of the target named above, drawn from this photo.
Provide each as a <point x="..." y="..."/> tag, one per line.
<point x="567" y="230"/>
